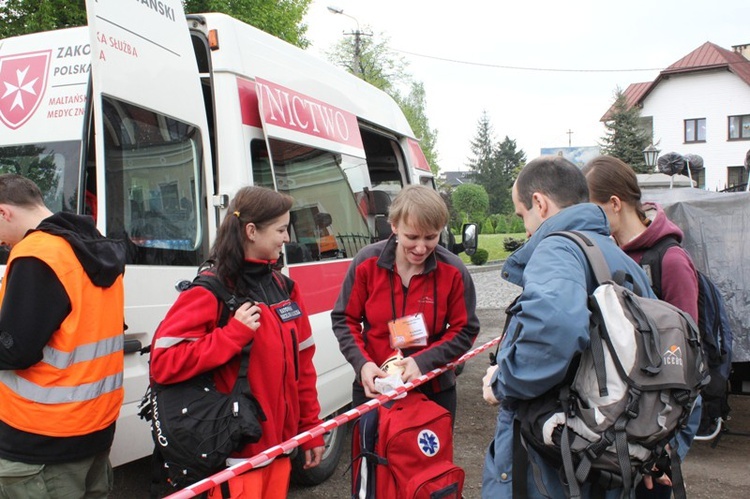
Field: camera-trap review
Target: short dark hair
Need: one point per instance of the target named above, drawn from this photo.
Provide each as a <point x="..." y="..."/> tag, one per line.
<point x="555" y="177"/>
<point x="19" y="191"/>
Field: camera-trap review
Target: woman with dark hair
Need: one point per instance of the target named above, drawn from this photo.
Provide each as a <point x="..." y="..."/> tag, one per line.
<point x="281" y="374"/>
<point x="637" y="227"/>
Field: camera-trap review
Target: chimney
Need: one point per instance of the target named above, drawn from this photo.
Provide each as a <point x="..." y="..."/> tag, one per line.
<point x="743" y="50"/>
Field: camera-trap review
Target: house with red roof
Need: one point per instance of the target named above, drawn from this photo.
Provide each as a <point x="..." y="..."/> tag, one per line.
<point x="701" y="105"/>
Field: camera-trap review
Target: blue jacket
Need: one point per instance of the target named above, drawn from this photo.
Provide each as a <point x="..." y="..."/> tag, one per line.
<point x="548" y="329"/>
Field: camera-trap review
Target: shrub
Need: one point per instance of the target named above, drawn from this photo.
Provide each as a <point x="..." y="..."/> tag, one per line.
<point x="487" y="227"/>
<point x="501" y="225"/>
<point x="511" y="244"/>
<point x="516" y="225"/>
<point x="480" y="257"/>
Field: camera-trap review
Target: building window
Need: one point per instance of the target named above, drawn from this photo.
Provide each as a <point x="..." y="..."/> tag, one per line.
<point x="739" y="127"/>
<point x="736" y="176"/>
<point x="695" y="130"/>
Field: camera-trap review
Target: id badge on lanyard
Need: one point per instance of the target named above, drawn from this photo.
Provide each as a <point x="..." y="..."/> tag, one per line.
<point x="408" y="331"/>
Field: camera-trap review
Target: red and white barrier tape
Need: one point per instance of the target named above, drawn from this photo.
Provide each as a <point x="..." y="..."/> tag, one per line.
<point x="287" y="446"/>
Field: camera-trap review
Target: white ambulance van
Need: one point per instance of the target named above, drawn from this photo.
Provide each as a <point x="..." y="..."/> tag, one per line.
<point x="150" y="124"/>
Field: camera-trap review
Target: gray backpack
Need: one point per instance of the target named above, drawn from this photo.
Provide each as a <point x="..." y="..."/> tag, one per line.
<point x="632" y="391"/>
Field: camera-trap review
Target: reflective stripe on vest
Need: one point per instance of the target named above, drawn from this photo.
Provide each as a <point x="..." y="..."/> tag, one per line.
<point x="59" y="394"/>
<point x="76" y="389"/>
<point x="83" y="353"/>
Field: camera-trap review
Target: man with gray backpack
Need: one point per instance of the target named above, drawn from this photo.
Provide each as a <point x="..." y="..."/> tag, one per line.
<point x="565" y="431"/>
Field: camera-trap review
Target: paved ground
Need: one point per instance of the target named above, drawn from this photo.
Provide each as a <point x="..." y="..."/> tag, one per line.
<point x="709" y="472"/>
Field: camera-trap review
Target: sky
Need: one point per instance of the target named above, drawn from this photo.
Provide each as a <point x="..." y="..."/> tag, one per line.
<point x="536" y="108"/>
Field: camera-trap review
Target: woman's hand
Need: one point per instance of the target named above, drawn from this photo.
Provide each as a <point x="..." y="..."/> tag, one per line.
<point x="249" y="315"/>
<point x="410" y="367"/>
<point x="369" y="372"/>
<point x="313" y="457"/>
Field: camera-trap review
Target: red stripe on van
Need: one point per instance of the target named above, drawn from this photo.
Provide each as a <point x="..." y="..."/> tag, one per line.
<point x="248" y="103"/>
<point x="320" y="283"/>
<point x="417" y="156"/>
<point x="299" y="113"/>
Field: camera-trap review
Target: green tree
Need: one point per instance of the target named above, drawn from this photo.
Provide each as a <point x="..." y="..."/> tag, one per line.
<point x="281" y="18"/>
<point x="494" y="166"/>
<point x="482" y="149"/>
<point x="413" y="106"/>
<point x="369" y="57"/>
<point x="19" y="17"/>
<point x="508" y="162"/>
<point x="625" y="137"/>
<point x="472" y="201"/>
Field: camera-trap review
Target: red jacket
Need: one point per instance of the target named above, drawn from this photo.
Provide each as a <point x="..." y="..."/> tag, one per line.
<point x="281" y="372"/>
<point x="679" y="281"/>
<point x="373" y="295"/>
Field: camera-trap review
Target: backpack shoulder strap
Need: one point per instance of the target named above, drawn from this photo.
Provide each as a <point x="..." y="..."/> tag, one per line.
<point x="651" y="262"/>
<point x="593" y="254"/>
<point x="227" y="300"/>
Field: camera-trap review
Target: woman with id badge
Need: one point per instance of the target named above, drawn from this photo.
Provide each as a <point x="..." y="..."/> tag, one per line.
<point x="273" y="320"/>
<point x="407" y="302"/>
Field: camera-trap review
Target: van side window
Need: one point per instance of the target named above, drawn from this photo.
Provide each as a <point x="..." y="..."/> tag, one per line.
<point x="326" y="222"/>
<point x="154" y="193"/>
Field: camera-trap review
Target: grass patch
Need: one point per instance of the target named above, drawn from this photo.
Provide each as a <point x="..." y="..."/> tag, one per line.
<point x="493" y="243"/>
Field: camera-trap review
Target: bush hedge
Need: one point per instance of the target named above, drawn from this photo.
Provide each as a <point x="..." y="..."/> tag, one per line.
<point x="480" y="257"/>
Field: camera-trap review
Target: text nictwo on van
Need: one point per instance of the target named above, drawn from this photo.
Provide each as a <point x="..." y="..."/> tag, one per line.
<point x="141" y="122"/>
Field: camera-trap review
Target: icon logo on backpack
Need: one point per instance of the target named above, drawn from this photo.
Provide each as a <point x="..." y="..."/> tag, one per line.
<point x="673" y="356"/>
<point x="429" y="443"/>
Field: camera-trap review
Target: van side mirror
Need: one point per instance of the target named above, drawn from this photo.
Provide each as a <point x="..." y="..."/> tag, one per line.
<point x="469" y="239"/>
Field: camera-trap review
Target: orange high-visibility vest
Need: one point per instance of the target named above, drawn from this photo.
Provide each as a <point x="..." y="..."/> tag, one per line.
<point x="76" y="389"/>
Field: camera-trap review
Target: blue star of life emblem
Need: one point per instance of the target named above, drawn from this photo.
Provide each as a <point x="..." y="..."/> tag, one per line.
<point x="429" y="443"/>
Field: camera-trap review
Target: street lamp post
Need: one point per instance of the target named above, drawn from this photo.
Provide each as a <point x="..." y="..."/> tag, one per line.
<point x="357" y="39"/>
<point x="649" y="155"/>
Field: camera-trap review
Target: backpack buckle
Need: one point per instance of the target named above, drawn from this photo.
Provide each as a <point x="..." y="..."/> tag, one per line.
<point x="632" y="408"/>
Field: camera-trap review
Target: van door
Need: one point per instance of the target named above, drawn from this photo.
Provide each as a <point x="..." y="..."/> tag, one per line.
<point x="152" y="172"/>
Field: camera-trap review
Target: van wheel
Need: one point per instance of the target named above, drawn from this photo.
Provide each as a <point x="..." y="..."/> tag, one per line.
<point x="334" y="442"/>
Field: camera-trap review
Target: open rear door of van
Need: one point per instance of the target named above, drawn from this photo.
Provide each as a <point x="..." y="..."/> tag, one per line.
<point x="153" y="176"/>
<point x="141" y="53"/>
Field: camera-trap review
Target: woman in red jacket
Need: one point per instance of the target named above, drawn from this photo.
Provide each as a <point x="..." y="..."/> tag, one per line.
<point x="281" y="372"/>
<point x="412" y="281"/>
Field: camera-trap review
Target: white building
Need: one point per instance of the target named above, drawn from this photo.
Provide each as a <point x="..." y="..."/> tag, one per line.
<point x="701" y="105"/>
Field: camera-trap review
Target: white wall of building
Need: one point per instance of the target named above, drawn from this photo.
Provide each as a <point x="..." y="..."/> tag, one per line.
<point x="711" y="95"/>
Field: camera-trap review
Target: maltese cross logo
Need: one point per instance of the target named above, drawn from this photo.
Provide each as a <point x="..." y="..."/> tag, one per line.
<point x="429" y="443"/>
<point x="23" y="79"/>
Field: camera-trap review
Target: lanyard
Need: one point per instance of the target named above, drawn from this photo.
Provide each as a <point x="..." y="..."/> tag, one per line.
<point x="434" y="297"/>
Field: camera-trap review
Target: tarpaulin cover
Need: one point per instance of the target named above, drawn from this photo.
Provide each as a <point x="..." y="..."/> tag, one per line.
<point x="671" y="163"/>
<point x="694" y="162"/>
<point x="717" y="236"/>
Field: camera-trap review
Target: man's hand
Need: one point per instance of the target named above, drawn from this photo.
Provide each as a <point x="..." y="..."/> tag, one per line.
<point x="648" y="480"/>
<point x="487" y="392"/>
<point x="369" y="372"/>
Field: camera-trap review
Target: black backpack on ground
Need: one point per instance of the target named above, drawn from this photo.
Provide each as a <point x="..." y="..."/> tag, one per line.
<point x="626" y="396"/>
<point x="716" y="335"/>
<point x="194" y="426"/>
